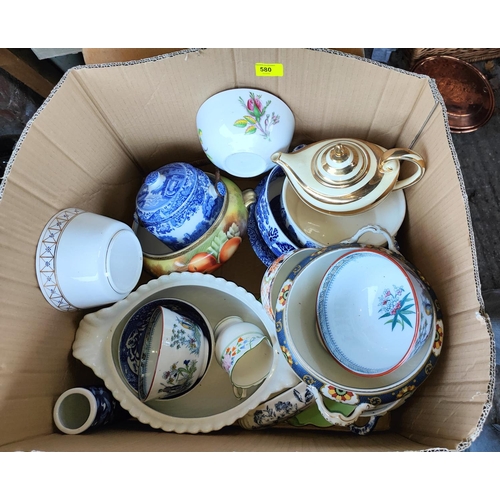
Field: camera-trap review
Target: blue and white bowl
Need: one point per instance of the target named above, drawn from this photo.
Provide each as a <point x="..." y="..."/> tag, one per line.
<point x="178" y="203"/>
<point x="259" y="246"/>
<point x="268" y="214"/>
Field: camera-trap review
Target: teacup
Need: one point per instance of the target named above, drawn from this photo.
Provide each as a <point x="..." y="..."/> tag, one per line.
<point x="178" y="204"/>
<point x="174" y="356"/>
<point x="244" y="352"/>
<point x="86" y="260"/>
<point x="239" y="129"/>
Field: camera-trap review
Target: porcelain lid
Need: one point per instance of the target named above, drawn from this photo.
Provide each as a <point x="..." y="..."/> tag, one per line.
<point x="166" y="190"/>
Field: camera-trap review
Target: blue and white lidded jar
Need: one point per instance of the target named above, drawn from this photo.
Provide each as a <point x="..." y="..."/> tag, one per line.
<point x="178" y="203"/>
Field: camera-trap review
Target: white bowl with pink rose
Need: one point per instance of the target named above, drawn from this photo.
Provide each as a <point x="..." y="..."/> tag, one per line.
<point x="239" y="129"/>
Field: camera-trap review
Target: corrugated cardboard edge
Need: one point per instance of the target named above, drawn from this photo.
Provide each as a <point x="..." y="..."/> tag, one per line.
<point x="482" y="315"/>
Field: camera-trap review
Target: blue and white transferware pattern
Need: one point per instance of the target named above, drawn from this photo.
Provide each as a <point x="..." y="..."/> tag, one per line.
<point x="178" y="203"/>
<point x="256" y="241"/>
<point x="268" y="214"/>
<point x="278" y="409"/>
<point x="108" y="409"/>
<point x="132" y="337"/>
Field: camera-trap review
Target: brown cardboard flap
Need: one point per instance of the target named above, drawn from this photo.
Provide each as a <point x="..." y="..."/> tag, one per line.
<point x="158" y="123"/>
<point x="135" y="437"/>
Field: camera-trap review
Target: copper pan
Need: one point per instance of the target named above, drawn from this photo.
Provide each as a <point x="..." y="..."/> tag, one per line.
<point x="466" y="92"/>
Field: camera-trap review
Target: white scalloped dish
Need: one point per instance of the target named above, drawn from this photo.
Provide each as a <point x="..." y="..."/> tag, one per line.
<point x="212" y="404"/>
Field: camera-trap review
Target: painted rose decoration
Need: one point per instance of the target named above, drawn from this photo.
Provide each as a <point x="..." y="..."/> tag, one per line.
<point x="256" y="119"/>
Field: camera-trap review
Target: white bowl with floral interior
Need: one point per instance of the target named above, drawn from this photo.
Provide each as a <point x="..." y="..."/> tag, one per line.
<point x="210" y="405"/>
<point x="239" y="129"/>
<point x="368" y="312"/>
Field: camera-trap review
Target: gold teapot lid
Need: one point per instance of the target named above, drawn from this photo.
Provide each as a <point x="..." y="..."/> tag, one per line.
<point x="346" y="176"/>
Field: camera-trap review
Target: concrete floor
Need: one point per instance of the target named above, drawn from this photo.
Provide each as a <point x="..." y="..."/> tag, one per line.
<point x="479" y="156"/>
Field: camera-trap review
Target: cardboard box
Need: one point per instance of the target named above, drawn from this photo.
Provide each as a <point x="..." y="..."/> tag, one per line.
<point x="104" y="127"/>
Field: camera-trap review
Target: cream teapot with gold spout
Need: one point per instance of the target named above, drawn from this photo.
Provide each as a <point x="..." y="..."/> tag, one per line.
<point x="347" y="176"/>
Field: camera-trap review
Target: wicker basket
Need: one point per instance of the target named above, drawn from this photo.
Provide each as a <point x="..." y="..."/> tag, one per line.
<point x="470" y="55"/>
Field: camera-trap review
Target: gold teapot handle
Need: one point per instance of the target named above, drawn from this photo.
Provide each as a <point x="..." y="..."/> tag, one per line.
<point x="402" y="154"/>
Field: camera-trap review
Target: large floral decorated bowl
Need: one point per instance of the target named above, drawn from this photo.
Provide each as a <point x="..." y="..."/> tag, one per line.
<point x="301" y="345"/>
<point x="207" y="253"/>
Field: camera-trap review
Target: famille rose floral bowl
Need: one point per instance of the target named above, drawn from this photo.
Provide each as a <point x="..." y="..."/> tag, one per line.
<point x="210" y="405"/>
<point x="268" y="214"/>
<point x="215" y="247"/>
<point x="368" y="312"/>
<point x="296" y="327"/>
<point x="239" y="129"/>
<point x="178" y="204"/>
<point x="175" y="355"/>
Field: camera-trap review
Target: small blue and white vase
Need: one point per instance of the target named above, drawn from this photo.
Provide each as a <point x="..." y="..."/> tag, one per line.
<point x="82" y="408"/>
<point x="178" y="203"/>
